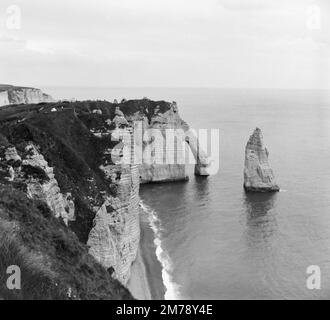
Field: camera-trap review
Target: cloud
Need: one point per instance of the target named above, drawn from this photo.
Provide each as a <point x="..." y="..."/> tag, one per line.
<point x="246" y="5"/>
<point x="165" y="43"/>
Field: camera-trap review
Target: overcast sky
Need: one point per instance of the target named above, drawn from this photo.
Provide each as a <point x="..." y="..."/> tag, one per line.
<point x="167" y="43"/>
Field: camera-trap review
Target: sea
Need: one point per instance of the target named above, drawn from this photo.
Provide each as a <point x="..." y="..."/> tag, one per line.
<point x="212" y="239"/>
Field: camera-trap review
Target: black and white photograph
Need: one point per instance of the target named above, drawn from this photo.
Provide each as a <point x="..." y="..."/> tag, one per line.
<point x="167" y="150"/>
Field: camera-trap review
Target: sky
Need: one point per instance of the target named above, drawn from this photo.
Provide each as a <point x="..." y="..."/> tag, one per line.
<point x="166" y="43"/>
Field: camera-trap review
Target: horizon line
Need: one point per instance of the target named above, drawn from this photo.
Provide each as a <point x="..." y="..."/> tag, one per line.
<point x="176" y="87"/>
<point x="159" y="87"/>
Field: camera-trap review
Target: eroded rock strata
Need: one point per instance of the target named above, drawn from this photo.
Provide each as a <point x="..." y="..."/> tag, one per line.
<point x="258" y="175"/>
<point x="22" y="95"/>
<point x="35" y="213"/>
<point x="62" y="155"/>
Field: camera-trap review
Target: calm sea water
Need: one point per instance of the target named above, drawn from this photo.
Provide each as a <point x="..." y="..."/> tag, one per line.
<point x="218" y="242"/>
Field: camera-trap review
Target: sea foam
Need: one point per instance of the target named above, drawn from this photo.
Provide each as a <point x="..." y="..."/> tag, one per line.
<point x="172" y="288"/>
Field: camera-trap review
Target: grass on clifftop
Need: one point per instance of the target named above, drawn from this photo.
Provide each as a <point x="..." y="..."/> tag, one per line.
<point x="54" y="264"/>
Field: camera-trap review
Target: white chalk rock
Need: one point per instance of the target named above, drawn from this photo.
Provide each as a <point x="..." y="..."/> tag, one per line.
<point x="258" y="175"/>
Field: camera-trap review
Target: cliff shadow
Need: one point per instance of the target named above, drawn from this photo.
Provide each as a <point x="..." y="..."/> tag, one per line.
<point x="201" y="189"/>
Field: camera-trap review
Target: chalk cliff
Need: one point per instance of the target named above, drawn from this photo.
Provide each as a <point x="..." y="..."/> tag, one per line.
<point x="165" y="141"/>
<point x="54" y="158"/>
<point x="18" y="95"/>
<point x="4" y="98"/>
<point x="258" y="175"/>
<point x="156" y="119"/>
<point x="34" y="219"/>
<point x="203" y="163"/>
<point x="63" y="155"/>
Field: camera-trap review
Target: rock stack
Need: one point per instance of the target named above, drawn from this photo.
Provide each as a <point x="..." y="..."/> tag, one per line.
<point x="258" y="175"/>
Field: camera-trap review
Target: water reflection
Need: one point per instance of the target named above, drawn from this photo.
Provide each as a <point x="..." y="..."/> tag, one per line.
<point x="201" y="190"/>
<point x="260" y="220"/>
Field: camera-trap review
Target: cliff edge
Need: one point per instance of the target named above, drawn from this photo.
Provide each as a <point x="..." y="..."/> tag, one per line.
<point x="22" y="95"/>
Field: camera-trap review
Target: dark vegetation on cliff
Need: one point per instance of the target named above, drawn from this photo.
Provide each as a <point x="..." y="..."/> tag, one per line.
<point x="54" y="264"/>
<point x="5" y="87"/>
<point x="67" y="144"/>
<point x="54" y="259"/>
<point x="145" y="106"/>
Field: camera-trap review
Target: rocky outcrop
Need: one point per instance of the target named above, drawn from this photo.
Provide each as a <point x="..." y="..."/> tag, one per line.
<point x="32" y="170"/>
<point x="258" y="175"/>
<point x="9" y="159"/>
<point x="19" y="95"/>
<point x="54" y="264"/>
<point x="203" y="163"/>
<point x="42" y="185"/>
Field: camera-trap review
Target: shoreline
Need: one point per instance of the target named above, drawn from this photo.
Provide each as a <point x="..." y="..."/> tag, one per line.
<point x="146" y="281"/>
<point x="138" y="284"/>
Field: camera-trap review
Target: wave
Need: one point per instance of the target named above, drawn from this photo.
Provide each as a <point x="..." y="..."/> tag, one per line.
<point x="172" y="289"/>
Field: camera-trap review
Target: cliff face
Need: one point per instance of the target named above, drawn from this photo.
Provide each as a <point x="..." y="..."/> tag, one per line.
<point x="33" y="171"/>
<point x="258" y="175"/>
<point x="4" y="99"/>
<point x="55" y="159"/>
<point x="114" y="238"/>
<point x="63" y="159"/>
<point x="61" y="155"/>
<point x="163" y="118"/>
<point x="157" y="118"/>
<point x="19" y="95"/>
<point x="34" y="233"/>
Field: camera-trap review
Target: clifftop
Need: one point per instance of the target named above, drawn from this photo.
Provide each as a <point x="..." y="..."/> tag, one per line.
<point x="144" y="107"/>
<point x="6" y="87"/>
